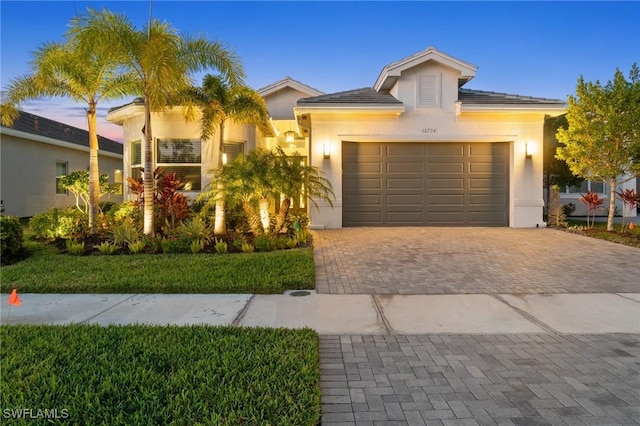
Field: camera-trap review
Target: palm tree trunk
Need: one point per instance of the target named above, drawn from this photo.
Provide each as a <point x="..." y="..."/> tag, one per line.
<point x="147" y="179"/>
<point x="253" y="219"/>
<point x="94" y="170"/>
<point x="612" y="204"/>
<point x="282" y="215"/>
<point x="219" y="222"/>
<point x="263" y="205"/>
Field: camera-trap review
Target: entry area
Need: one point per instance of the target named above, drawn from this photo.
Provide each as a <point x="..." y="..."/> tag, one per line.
<point x="422" y="184"/>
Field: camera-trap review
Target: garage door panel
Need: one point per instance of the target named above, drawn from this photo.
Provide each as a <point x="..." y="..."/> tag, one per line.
<point x="439" y="184"/>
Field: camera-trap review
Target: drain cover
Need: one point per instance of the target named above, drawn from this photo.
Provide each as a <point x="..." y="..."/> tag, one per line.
<point x="299" y="293"/>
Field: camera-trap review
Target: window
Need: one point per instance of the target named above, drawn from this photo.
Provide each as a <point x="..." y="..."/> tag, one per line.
<point x="136" y="159"/>
<point x="233" y="149"/>
<point x="586" y="186"/>
<point x="428" y="90"/>
<point x="182" y="157"/>
<point x="62" y="168"/>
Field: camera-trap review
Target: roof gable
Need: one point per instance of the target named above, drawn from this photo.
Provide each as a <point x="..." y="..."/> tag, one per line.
<point x="44" y="127"/>
<point x="285" y="83"/>
<point x="390" y="73"/>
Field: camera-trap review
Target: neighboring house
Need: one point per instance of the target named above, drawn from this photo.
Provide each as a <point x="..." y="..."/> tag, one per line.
<point x="415" y="149"/>
<point x="36" y="151"/>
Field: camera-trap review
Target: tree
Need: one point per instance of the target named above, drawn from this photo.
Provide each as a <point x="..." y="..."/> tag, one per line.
<point x="220" y="101"/>
<point x="602" y="140"/>
<point x="84" y="71"/>
<point x="294" y="180"/>
<point x="163" y="62"/>
<point x="78" y="183"/>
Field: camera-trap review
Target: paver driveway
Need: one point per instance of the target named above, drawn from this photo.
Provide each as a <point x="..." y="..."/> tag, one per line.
<point x="432" y="260"/>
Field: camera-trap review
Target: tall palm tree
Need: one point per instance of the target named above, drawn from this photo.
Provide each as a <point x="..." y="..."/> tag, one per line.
<point x="163" y="62"/>
<point x="85" y="72"/>
<point x="220" y="101"/>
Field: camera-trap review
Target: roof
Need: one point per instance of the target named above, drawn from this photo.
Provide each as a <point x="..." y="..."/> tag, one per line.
<point x="481" y="97"/>
<point x="390" y="73"/>
<point x="363" y="96"/>
<point x="289" y="82"/>
<point x="41" y="126"/>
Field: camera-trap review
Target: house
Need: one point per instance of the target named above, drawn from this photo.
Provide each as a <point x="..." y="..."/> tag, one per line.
<point x="36" y="151"/>
<point x="415" y="149"/>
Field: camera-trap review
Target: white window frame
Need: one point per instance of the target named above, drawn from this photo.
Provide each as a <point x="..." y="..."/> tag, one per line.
<point x="589" y="188"/>
<point x="58" y="176"/>
<point x="164" y="166"/>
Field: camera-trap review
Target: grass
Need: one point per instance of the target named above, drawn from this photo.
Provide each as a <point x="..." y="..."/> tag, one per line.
<point x="133" y="375"/>
<point x="47" y="271"/>
<point x="630" y="237"/>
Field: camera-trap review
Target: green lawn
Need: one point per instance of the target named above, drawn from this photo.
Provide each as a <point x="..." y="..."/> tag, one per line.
<point x="47" y="271"/>
<point x="140" y="375"/>
<point x="630" y="237"/>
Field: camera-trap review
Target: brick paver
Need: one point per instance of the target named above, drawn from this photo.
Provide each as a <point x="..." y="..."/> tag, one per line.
<point x="525" y="379"/>
<point x="433" y="260"/>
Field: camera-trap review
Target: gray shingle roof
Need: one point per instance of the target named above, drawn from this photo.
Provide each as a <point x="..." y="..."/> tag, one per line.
<point x="365" y="95"/>
<point x="481" y="97"/>
<point x="36" y="125"/>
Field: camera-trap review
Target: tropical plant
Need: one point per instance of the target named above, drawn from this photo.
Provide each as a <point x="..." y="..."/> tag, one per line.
<point x="194" y="228"/>
<point x="220" y="101"/>
<point x="137" y="246"/>
<point x="78" y="184"/>
<point x="125" y="233"/>
<point x="631" y="200"/>
<point x="86" y="71"/>
<point x="74" y="247"/>
<point x="556" y="214"/>
<point x="196" y="246"/>
<point x="295" y="179"/>
<point x="107" y="247"/>
<point x="221" y="246"/>
<point x="163" y="62"/>
<point x="602" y="140"/>
<point x="593" y="203"/>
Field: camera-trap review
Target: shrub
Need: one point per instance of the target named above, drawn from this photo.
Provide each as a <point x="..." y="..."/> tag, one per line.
<point x="196" y="246"/>
<point x="74" y="247"/>
<point x="593" y="203"/>
<point x="194" y="229"/>
<point x="221" y="246"/>
<point x="57" y="223"/>
<point x="125" y="233"/>
<point x="137" y="246"/>
<point x="264" y="243"/>
<point x="10" y="237"/>
<point x="107" y="247"/>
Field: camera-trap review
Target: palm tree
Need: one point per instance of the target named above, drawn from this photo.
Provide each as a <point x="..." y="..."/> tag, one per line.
<point x="85" y="72"/>
<point x="163" y="62"/>
<point x="295" y="179"/>
<point x="220" y="101"/>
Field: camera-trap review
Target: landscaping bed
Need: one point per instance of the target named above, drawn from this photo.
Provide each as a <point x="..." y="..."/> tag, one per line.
<point x="630" y="237"/>
<point x="160" y="374"/>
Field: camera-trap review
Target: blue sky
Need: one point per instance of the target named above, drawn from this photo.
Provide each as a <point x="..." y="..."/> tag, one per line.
<point x="526" y="48"/>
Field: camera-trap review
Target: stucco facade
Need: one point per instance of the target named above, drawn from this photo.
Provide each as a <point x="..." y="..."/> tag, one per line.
<point x="30" y="153"/>
<point x="418" y="101"/>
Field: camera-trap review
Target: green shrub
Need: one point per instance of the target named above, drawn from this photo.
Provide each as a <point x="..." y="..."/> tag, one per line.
<point x="107" y="248"/>
<point x="74" y="247"/>
<point x="264" y="243"/>
<point x="194" y="229"/>
<point x="207" y="375"/>
<point x="196" y="246"/>
<point x="137" y="246"/>
<point x="57" y="223"/>
<point x="125" y="233"/>
<point x="10" y="237"/>
<point x="247" y="247"/>
<point x="221" y="246"/>
<point x="43" y="225"/>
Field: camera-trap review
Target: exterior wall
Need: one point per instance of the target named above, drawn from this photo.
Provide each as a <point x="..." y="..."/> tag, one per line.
<point x="28" y="174"/>
<point x="280" y="104"/>
<point x="526" y="202"/>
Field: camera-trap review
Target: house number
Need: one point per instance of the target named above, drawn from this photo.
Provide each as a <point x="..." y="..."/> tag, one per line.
<point x="429" y="130"/>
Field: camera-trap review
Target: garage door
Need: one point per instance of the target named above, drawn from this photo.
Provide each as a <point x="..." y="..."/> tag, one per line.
<point x="416" y="184"/>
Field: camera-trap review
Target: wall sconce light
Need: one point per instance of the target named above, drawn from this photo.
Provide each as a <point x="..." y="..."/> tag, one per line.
<point x="326" y="150"/>
<point x="530" y="149"/>
<point x="224" y="158"/>
<point x="290" y="137"/>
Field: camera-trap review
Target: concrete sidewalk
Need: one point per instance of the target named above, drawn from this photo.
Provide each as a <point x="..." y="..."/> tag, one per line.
<point x="344" y="314"/>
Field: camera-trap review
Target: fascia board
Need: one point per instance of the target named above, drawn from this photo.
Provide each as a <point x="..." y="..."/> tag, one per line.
<point x="119" y="115"/>
<point x="331" y="109"/>
<point x="276" y="87"/>
<point x="508" y="108"/>
<point x="55" y="142"/>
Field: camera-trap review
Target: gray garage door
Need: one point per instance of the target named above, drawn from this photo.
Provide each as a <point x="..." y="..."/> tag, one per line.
<point x="415" y="184"/>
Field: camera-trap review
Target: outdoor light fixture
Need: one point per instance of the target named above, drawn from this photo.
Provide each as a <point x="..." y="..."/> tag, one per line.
<point x="290" y="137"/>
<point x="224" y="158"/>
<point x="530" y="149"/>
<point x="326" y="149"/>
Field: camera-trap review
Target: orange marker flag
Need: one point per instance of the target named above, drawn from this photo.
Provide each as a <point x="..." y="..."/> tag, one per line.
<point x="631" y="226"/>
<point x="14" y="299"/>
